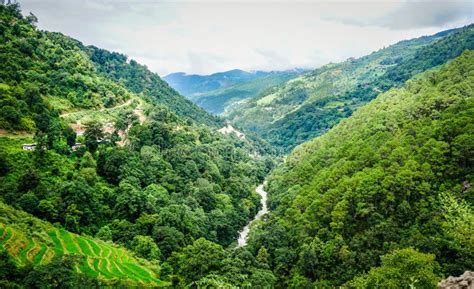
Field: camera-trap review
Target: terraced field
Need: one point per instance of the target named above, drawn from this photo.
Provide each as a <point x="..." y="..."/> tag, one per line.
<point x="102" y="260"/>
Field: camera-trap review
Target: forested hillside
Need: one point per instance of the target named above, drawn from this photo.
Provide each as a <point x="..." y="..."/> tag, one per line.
<point x="111" y="152"/>
<point x="309" y="105"/>
<point x="110" y="178"/>
<point x="44" y="74"/>
<point x="384" y="199"/>
<point x="138" y="79"/>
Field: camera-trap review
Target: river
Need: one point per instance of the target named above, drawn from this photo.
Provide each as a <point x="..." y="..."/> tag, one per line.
<point x="242" y="241"/>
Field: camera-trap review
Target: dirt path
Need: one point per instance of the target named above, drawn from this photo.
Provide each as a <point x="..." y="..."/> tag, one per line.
<point x="128" y="102"/>
<point x="18" y="133"/>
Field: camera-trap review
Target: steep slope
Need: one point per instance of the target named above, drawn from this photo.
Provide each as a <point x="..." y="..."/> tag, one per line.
<point x="43" y="73"/>
<point x="46" y="73"/>
<point x="309" y="105"/>
<point x="396" y="174"/>
<point x="170" y="180"/>
<point x="220" y="100"/>
<point x="139" y="80"/>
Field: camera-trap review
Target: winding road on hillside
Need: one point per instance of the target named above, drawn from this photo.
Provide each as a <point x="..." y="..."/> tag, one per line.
<point x="128" y="102"/>
<point x="242" y="241"/>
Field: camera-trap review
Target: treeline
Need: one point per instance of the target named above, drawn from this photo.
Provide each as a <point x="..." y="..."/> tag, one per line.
<point x="386" y="192"/>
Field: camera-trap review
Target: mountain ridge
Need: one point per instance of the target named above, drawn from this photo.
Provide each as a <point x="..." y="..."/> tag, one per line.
<point x="306" y="106"/>
<point x="196" y="85"/>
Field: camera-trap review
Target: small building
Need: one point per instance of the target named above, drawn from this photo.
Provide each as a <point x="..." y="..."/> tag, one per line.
<point x="76" y="146"/>
<point x="29" y="146"/>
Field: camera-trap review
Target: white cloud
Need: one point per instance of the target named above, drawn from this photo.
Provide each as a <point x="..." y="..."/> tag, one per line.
<point x="412" y="14"/>
<point x="205" y="37"/>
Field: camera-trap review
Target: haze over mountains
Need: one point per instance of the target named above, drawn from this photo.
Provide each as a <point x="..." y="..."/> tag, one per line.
<point x="219" y="91"/>
<point x="288" y="108"/>
<point x="110" y="177"/>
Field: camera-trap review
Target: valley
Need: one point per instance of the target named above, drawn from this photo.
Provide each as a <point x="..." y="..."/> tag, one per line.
<point x="354" y="174"/>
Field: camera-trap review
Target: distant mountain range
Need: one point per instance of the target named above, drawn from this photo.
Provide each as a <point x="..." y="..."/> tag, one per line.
<point x="194" y="85"/>
<point x="218" y="91"/>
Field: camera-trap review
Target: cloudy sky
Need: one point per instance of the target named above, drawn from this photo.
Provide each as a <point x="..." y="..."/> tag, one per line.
<point x="209" y="36"/>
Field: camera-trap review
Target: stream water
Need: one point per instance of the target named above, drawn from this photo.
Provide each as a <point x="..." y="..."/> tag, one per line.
<point x="242" y="241"/>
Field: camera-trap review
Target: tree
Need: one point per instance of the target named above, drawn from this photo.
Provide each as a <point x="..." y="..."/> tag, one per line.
<point x="32" y="19"/>
<point x="93" y="135"/>
<point x="169" y="239"/>
<point x="29" y="202"/>
<point x="104" y="233"/>
<point x="404" y="268"/>
<point x="197" y="260"/>
<point x="262" y="279"/>
<point x="70" y="136"/>
<point x="110" y="163"/>
<point x="59" y="273"/>
<point x="81" y="203"/>
<point x="459" y="220"/>
<point x="204" y="194"/>
<point x="88" y="161"/>
<point x="146" y="248"/>
<point x="131" y="201"/>
<point x="262" y="257"/>
<point x="10" y="114"/>
<point x="157" y="197"/>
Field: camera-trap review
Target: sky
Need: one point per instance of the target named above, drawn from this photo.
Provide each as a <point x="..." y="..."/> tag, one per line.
<point x="203" y="37"/>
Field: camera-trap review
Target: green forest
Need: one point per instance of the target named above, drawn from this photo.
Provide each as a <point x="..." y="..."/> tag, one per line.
<point x="109" y="178"/>
<point x="385" y="191"/>
<point x="311" y="104"/>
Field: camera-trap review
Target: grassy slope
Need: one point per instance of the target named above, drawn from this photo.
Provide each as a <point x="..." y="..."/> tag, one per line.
<point x="30" y="240"/>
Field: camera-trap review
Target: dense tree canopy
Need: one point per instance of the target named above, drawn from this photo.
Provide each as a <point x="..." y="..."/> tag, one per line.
<point x="396" y="174"/>
<point x="149" y="190"/>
